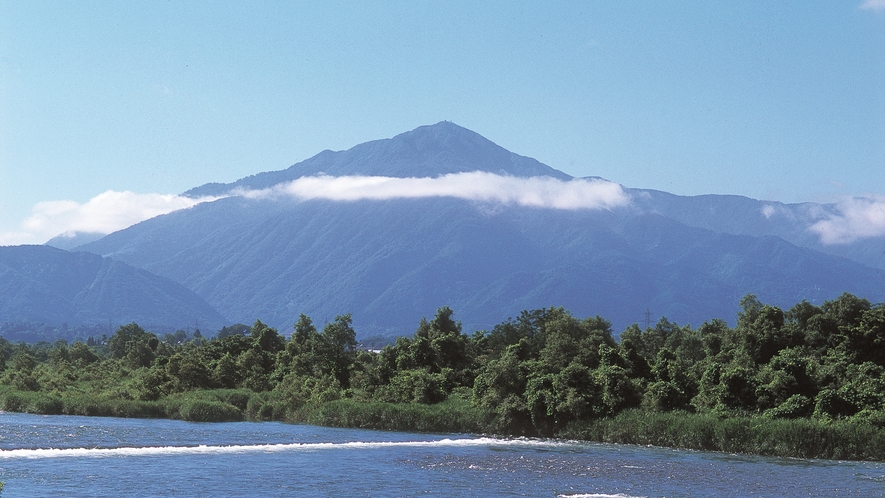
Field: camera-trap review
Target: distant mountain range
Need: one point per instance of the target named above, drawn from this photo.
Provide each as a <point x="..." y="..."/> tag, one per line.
<point x="389" y="262"/>
<point x="744" y="216"/>
<point x="46" y="285"/>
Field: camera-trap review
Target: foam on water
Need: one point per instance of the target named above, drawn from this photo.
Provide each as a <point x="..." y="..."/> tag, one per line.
<point x="266" y="448"/>
<point x="599" y="495"/>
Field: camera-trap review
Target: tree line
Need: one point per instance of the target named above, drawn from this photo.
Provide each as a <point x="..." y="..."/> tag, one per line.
<point x="535" y="374"/>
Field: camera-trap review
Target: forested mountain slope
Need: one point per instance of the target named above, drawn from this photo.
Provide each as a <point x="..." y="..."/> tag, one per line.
<point x="47" y="285"/>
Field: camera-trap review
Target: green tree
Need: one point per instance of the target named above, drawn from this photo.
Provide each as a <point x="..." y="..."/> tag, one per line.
<point x="867" y="338"/>
<point x="715" y="336"/>
<point x="674" y="385"/>
<point x="568" y="339"/>
<point x="21" y="374"/>
<point x="764" y="335"/>
<point x="500" y="387"/>
<point x="339" y="348"/>
<point x="266" y="339"/>
<point x="253" y="371"/>
<point x="134" y="344"/>
<point x="789" y="373"/>
<point x="238" y="329"/>
<point x="82" y="354"/>
<point x="302" y="352"/>
<point x="738" y="389"/>
<point x="415" y="386"/>
<point x="188" y="371"/>
<point x="450" y="346"/>
<point x="225" y="373"/>
<point x="60" y="353"/>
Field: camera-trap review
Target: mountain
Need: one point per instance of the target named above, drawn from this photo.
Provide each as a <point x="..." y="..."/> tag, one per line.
<point x="390" y="262"/>
<point x="52" y="286"/>
<point x="744" y="216"/>
<point x="71" y="240"/>
<point x="426" y="151"/>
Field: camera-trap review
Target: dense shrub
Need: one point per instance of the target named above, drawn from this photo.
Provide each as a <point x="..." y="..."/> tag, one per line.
<point x="209" y="411"/>
<point x="15" y="402"/>
<point x="794" y="407"/>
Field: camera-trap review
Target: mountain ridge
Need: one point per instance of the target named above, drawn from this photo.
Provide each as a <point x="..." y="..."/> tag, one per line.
<point x="402" y="156"/>
<point x="43" y="284"/>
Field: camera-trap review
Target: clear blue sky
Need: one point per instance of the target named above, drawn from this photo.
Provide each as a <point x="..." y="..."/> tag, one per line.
<point x="773" y="100"/>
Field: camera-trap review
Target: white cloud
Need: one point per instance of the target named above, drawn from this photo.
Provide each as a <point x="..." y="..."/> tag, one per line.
<point x="779" y="210"/>
<point x="104" y="213"/>
<point x="546" y="192"/>
<point x="112" y="211"/>
<point x="877" y="5"/>
<point x="856" y="218"/>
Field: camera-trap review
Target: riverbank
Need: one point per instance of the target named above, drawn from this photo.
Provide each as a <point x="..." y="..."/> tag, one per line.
<point x="755" y="435"/>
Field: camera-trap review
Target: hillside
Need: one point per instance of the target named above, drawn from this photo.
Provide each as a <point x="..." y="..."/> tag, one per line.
<point x="744" y="216"/>
<point x="41" y="284"/>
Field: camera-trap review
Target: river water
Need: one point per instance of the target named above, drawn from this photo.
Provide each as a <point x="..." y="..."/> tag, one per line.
<point x="89" y="456"/>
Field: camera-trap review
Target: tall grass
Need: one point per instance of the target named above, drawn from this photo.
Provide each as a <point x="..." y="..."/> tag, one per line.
<point x="453" y="415"/>
<point x="800" y="438"/>
<point x="80" y="404"/>
<point x="199" y="410"/>
<point x="219" y="405"/>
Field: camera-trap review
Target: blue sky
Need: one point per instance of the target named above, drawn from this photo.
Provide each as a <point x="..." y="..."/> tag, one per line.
<point x="779" y="101"/>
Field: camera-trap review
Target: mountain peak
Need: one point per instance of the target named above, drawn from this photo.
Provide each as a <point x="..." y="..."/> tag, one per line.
<point x="444" y="133"/>
<point x="426" y="151"/>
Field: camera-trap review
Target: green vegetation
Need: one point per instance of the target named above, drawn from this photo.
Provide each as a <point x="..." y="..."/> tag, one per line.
<point x="808" y="382"/>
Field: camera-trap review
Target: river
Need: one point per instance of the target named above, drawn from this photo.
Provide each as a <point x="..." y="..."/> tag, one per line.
<point x="89" y="456"/>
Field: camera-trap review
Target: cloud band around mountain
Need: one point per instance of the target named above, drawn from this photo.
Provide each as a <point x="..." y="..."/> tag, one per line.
<point x="105" y="213"/>
<point x="856" y="218"/>
<point x="542" y="192"/>
<point x="112" y="210"/>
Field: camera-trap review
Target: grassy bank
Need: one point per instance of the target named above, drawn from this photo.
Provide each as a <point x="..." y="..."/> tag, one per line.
<point x="227" y="405"/>
<point x="452" y="415"/>
<point x="801" y="438"/>
<point x="202" y="406"/>
<point x="798" y="438"/>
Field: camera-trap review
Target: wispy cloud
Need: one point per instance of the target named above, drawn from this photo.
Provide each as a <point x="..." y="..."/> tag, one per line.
<point x="543" y="192"/>
<point x="778" y="210"/>
<point x="112" y="211"/>
<point x="876" y="5"/>
<point x="855" y="218"/>
<point x="104" y="213"/>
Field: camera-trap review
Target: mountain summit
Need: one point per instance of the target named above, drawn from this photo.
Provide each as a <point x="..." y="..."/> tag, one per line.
<point x="426" y="151"/>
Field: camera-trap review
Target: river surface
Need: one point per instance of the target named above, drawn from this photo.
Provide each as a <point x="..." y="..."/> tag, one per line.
<point x="90" y="456"/>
